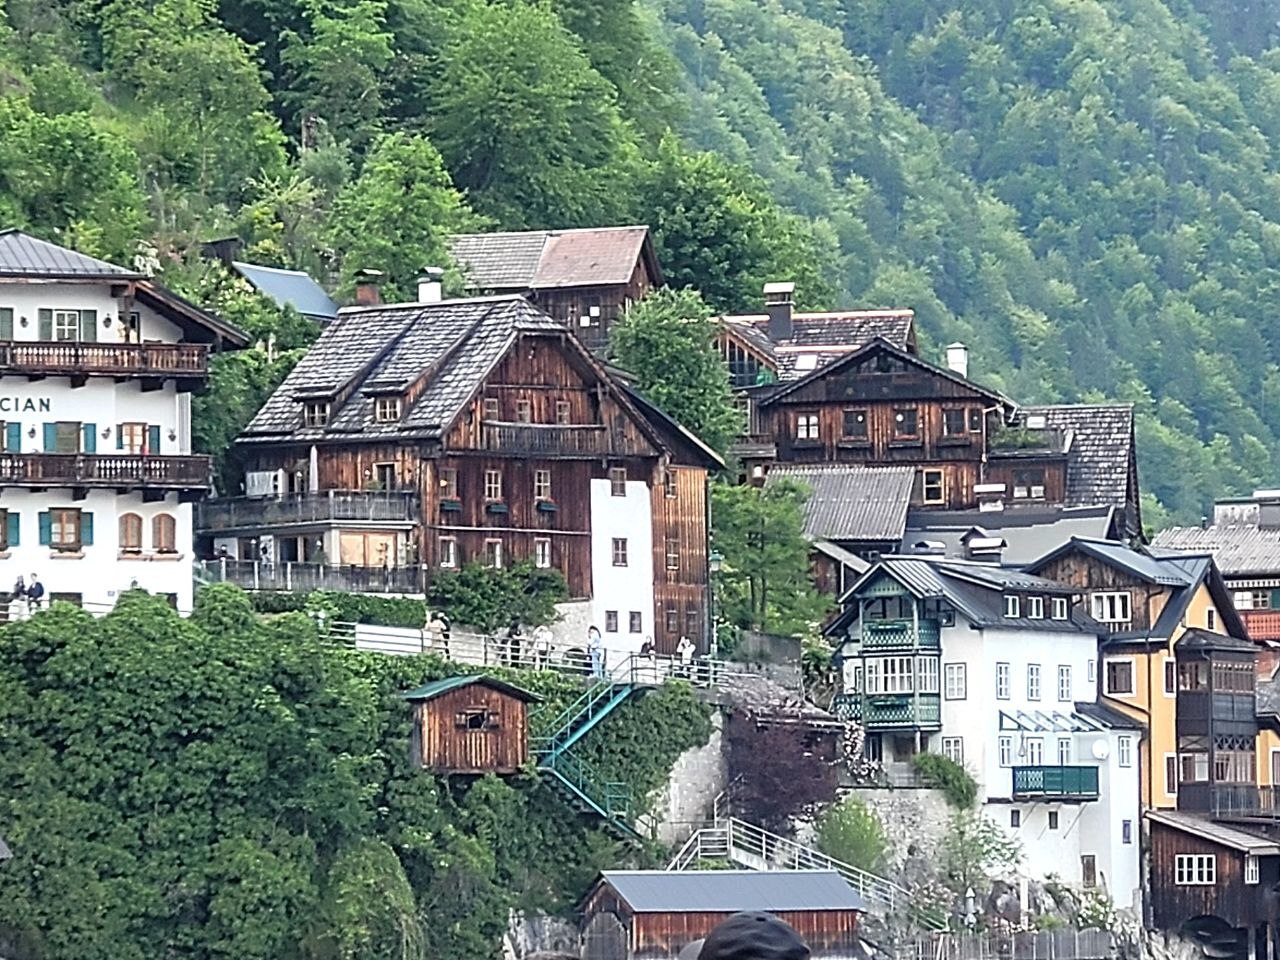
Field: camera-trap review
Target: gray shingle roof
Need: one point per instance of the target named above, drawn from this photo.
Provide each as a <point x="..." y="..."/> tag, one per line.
<point x="732" y="891"/>
<point x="1238" y="549"/>
<point x="819" y="338"/>
<point x="547" y="259"/>
<point x="22" y="255"/>
<point x="1100" y="449"/>
<point x="290" y="288"/>
<point x="851" y="502"/>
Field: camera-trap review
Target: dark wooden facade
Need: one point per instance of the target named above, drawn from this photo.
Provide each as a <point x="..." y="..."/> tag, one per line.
<point x="574" y="306"/>
<point x="1078" y="569"/>
<point x="478" y="728"/>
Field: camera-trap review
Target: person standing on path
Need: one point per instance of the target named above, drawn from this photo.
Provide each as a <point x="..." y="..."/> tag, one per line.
<point x="595" y="650"/>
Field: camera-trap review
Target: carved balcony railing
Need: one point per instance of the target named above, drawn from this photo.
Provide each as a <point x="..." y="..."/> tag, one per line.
<point x="1055" y="782"/>
<point x="239" y="513"/>
<point x="548" y="440"/>
<point x="900" y="634"/>
<point x="104" y="470"/>
<point x="890" y="711"/>
<point x="1261" y="624"/>
<point x="70" y="359"/>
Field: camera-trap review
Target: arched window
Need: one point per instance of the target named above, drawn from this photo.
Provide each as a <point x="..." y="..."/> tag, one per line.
<point x="164" y="533"/>
<point x="130" y="533"/>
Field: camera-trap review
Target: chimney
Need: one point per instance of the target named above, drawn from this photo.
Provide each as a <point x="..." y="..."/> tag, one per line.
<point x="984" y="549"/>
<point x="367" y="293"/>
<point x="958" y="359"/>
<point x="778" y="300"/>
<point x="990" y="497"/>
<point x="431" y="285"/>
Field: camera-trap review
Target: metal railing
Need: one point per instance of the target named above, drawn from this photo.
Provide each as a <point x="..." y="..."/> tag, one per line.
<point x="1056" y="781"/>
<point x="264" y="575"/>
<point x="228" y="513"/>
<point x="189" y="472"/>
<point x="1245" y="800"/>
<point x="53" y="358"/>
<point x="900" y="634"/>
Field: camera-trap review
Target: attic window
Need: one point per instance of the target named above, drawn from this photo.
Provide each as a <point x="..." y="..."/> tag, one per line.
<point x="315" y="414"/>
<point x="386" y="409"/>
<point x="1036" y="421"/>
<point x="807" y="361"/>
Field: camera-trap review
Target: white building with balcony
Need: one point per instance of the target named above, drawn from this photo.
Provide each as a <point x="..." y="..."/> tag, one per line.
<point x="997" y="670"/>
<point x="97" y="477"/>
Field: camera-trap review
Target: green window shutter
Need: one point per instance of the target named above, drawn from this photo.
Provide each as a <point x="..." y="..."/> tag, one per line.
<point x="50" y="438"/>
<point x="13" y="437"/>
<point x="86" y="529"/>
<point x="46" y="323"/>
<point x="13" y="528"/>
<point x="90" y="444"/>
<point x="119" y="436"/>
<point x="46" y="528"/>
<point x="6" y="323"/>
<point x="89" y="325"/>
<point x="153" y="438"/>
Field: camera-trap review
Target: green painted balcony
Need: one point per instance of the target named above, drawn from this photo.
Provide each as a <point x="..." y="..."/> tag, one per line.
<point x="900" y="635"/>
<point x="899" y="711"/>
<point x="1055" y="783"/>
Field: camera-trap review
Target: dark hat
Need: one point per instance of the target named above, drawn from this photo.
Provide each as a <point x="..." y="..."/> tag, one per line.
<point x="753" y="936"/>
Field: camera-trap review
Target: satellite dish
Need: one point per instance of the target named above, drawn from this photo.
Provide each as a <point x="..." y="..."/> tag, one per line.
<point x="1101" y="749"/>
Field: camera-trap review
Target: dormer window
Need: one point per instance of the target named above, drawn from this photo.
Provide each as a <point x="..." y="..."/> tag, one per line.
<point x="1012" y="608"/>
<point x="386" y="409"/>
<point x="315" y="413"/>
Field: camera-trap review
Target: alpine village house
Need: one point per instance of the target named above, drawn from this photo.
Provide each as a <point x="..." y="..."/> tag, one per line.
<point x="97" y="477"/>
<point x="419" y="437"/>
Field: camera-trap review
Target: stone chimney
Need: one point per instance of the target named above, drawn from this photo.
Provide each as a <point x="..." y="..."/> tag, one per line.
<point x="779" y="298"/>
<point x="958" y="359"/>
<point x="431" y="285"/>
<point x="367" y="292"/>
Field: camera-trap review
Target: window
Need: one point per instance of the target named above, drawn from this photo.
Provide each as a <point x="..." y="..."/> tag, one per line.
<point x="449" y="483"/>
<point x="68" y="529"/>
<point x="955" y="676"/>
<point x="1006" y="751"/>
<point x="1195" y="869"/>
<point x="611" y="621"/>
<point x="66" y="324"/>
<point x="1111" y="607"/>
<point x="1126" y="831"/>
<point x="386" y="409"/>
<point x="1243" y="599"/>
<point x="1170" y="676"/>
<point x="164" y="533"/>
<point x="691" y="618"/>
<point x="1064" y="683"/>
<point x="1034" y="749"/>
<point x="315" y="414"/>
<point x="1210" y="619"/>
<point x="807" y="426"/>
<point x="855" y="424"/>
<point x="906" y="422"/>
<point x="131" y="437"/>
<point x="524" y="411"/>
<point x="492" y="409"/>
<point x="953" y="423"/>
<point x="618" y="481"/>
<point x="1028" y="484"/>
<point x="563" y="413"/>
<point x="673" y="552"/>
<point x="6" y="323"/>
<point x="669" y="489"/>
<point x="636" y="621"/>
<point x="953" y="749"/>
<point x="493" y="484"/>
<point x="926" y="674"/>
<point x="1093" y="671"/>
<point x="1012" y="608"/>
<point x="933" y="488"/>
<point x="1124" y="751"/>
<point x="1120" y="677"/>
<point x="890" y="675"/>
<point x="542" y="553"/>
<point x="385" y="475"/>
<point x="672" y="617"/>
<point x="130" y="533"/>
<point x="1015" y="818"/>
<point x="10" y="521"/>
<point x="493" y="554"/>
<point x="1088" y="870"/>
<point x="1033" y="681"/>
<point x="1058" y="609"/>
<point x="1170" y="774"/>
<point x="619" y="551"/>
<point x="1035" y="608"/>
<point x="1002" y="681"/>
<point x="64" y="437"/>
<point x="448" y="552"/>
<point x="1064" y="751"/>
<point x="542" y="484"/>
<point x="975" y="419"/>
<point x="1250" y="868"/>
<point x="1053" y="819"/>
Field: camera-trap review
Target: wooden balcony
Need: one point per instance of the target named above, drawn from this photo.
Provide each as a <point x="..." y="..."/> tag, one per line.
<point x="121" y="471"/>
<point x="548" y="440"/>
<point x="243" y="513"/>
<point x="890" y="711"/>
<point x="1055" y="783"/>
<point x="148" y="361"/>
<point x="900" y="635"/>
<point x="1244" y="801"/>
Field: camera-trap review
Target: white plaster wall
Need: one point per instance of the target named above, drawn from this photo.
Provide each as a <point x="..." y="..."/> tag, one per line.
<point x="624" y="589"/>
<point x="101" y="402"/>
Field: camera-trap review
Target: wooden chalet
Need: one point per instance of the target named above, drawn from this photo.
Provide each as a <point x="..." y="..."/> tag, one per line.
<point x="420" y="437"/>
<point x="584" y="278"/>
<point x="653" y="914"/>
<point x="470" y="724"/>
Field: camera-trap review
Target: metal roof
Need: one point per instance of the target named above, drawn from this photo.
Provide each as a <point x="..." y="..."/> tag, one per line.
<point x="1028" y="532"/>
<point x="1168" y="571"/>
<point x="22" y="255"/>
<point x="1214" y="831"/>
<point x="436" y="688"/>
<point x="1059" y="721"/>
<point x="1198" y="639"/>
<point x="850" y="502"/>
<point x="290" y="288"/>
<point x="841" y="555"/>
<point x="548" y="259"/>
<point x="1238" y="549"/>
<point x="732" y="891"/>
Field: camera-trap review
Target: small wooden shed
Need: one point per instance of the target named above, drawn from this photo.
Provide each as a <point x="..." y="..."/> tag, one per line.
<point x="653" y="914"/>
<point x="472" y="724"/>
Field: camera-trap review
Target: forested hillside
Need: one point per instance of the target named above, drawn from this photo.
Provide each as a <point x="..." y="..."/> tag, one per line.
<point x="1086" y="192"/>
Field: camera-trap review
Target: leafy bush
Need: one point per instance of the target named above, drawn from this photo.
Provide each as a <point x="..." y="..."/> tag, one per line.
<point x="975" y="849"/>
<point x="777" y="775"/>
<point x="850" y="831"/>
<point x="946" y="775"/>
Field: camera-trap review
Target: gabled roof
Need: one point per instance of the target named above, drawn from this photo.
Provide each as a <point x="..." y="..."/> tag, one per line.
<point x="550" y="259"/>
<point x="819" y="338"/>
<point x="1238" y="549"/>
<point x="198" y="325"/>
<point x="22" y="255"/>
<point x="1029" y="532"/>
<point x="850" y="502"/>
<point x="732" y="891"/>
<point x="1215" y="832"/>
<point x="679" y="437"/>
<point x="1166" y="571"/>
<point x="879" y="345"/>
<point x="1197" y="639"/>
<point x="842" y="556"/>
<point x="290" y="288"/>
<point x="429" y="691"/>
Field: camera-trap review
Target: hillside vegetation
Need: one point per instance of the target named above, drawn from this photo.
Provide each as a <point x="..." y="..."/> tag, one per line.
<point x="1083" y="191"/>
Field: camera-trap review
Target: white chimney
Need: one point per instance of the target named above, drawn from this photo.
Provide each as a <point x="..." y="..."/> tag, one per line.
<point x="431" y="285"/>
<point x="958" y="359"/>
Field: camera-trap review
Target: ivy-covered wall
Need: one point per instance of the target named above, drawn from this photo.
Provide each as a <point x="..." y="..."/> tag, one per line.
<point x="233" y="787"/>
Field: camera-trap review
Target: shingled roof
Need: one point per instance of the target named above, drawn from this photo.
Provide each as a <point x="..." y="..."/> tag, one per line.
<point x="548" y="259"/>
<point x="1099" y="447"/>
<point x="849" y="502"/>
<point x="22" y="255"/>
<point x="819" y="338"/>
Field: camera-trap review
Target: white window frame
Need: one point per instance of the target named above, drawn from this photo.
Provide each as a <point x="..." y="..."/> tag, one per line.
<point x="1174" y="791"/>
<point x="386" y="409"/>
<point x="619" y="552"/>
<point x="1133" y="677"/>
<point x="1003" y="684"/>
<point x="493" y="485"/>
<point x="1059" y="609"/>
<point x="1124" y="751"/>
<point x="957" y="681"/>
<point x="1250" y="869"/>
<point x="807" y="427"/>
<point x="1012" y="606"/>
<point x="1064" y="683"/>
<point x="448" y="549"/>
<point x="897" y="674"/>
<point x="1211" y="619"/>
<point x="542" y="553"/>
<point x="927" y="674"/>
<point x="1093" y="670"/>
<point x="1035" y="608"/>
<point x="1034" y="750"/>
<point x="953" y="749"/>
<point x="542" y="484"/>
<point x="1005" y="750"/>
<point x="59" y="325"/>
<point x="1111" y="606"/>
<point x="1033" y="682"/>
<point x="494" y="555"/>
<point x="1195" y="869"/>
<point x="940" y="485"/>
<point x="1165" y="678"/>
<point x="1064" y="751"/>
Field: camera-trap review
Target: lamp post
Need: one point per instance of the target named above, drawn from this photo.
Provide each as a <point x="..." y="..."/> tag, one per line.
<point x="713" y="562"/>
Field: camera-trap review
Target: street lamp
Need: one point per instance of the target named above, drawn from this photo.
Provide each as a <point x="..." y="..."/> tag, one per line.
<point x="714" y="561"/>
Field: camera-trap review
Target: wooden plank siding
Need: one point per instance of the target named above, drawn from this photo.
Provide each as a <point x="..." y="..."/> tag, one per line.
<point x="1089" y="575"/>
<point x="1011" y="472"/>
<point x="445" y="743"/>
<point x="570" y="304"/>
<point x="1230" y="898"/>
<point x="662" y="935"/>
<point x="680" y="595"/>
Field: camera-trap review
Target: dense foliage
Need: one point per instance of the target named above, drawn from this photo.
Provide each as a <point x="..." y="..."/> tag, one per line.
<point x="943" y="773"/>
<point x="775" y="775"/>
<point x="851" y="832"/>
<point x="227" y="787"/>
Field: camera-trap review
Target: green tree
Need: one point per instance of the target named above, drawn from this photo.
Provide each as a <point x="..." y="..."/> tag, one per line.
<point x="974" y="851"/>
<point x="851" y="832"/>
<point x="492" y="597"/>
<point x="667" y="341"/>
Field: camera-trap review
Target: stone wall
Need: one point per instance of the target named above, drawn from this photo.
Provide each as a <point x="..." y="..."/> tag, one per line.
<point x="696" y="778"/>
<point x="529" y="935"/>
<point x="910" y="817"/>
